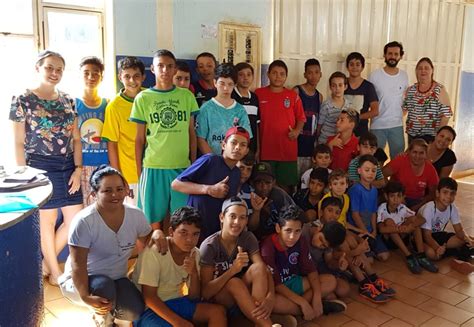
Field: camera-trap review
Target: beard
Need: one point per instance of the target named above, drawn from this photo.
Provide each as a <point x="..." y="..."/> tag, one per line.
<point x="391" y="62"/>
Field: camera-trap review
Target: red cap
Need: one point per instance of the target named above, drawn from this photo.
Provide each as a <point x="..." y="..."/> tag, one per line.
<point x="237" y="130"/>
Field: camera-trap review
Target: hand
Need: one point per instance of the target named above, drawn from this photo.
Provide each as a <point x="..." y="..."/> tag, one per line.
<point x="440" y="250"/>
<point x="308" y="311"/>
<point x="219" y="190"/>
<point x="318" y="240"/>
<point x="363" y="247"/>
<point x="469" y="241"/>
<point x="100" y="305"/>
<point x="158" y="239"/>
<point x="373" y="234"/>
<point x="75" y="181"/>
<point x="318" y="306"/>
<point x="357" y="261"/>
<point x="257" y="202"/>
<point x="264" y="308"/>
<point x="241" y="261"/>
<point x="189" y="263"/>
<point x="336" y="142"/>
<point x="343" y="263"/>
<point x="293" y="133"/>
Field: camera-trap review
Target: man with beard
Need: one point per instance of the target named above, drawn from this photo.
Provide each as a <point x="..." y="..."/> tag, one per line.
<point x="390" y="84"/>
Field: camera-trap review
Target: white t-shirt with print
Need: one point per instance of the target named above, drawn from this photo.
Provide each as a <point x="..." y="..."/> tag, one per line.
<point x="436" y="220"/>
<point x="398" y="217"/>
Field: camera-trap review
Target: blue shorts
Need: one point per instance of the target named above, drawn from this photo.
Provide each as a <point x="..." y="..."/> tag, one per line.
<point x="295" y="283"/>
<point x="378" y="245"/>
<point x="59" y="170"/>
<point x="155" y="196"/>
<point x="183" y="307"/>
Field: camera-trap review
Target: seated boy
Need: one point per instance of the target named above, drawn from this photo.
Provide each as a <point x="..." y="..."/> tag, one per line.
<point x="364" y="205"/>
<point x="212" y="178"/>
<point x="321" y="159"/>
<point x="162" y="278"/>
<point x="367" y="145"/>
<point x="344" y="144"/>
<point x="232" y="270"/>
<point x="401" y="224"/>
<point x="337" y="188"/>
<point x="298" y="289"/>
<point x="308" y="199"/>
<point x="437" y="214"/>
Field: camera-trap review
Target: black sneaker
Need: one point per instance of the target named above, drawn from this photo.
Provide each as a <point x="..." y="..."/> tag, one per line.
<point x="413" y="265"/>
<point x="333" y="306"/>
<point x="427" y="264"/>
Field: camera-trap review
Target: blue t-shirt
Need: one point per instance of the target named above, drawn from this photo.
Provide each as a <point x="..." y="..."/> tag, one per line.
<point x="214" y="120"/>
<point x="307" y="138"/>
<point x="91" y="121"/>
<point x="210" y="169"/>
<point x="364" y="202"/>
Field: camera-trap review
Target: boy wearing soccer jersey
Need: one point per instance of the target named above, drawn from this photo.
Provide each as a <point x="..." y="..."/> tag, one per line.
<point x="165" y="123"/>
<point x="204" y="88"/>
<point x="281" y="121"/>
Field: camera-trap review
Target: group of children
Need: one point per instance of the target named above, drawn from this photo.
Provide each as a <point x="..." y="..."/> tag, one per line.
<point x="268" y="244"/>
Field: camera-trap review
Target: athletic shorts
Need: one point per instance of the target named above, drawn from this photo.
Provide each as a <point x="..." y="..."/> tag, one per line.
<point x="183" y="307"/>
<point x="295" y="283"/>
<point x="442" y="237"/>
<point x="155" y="196"/>
<point x="286" y="172"/>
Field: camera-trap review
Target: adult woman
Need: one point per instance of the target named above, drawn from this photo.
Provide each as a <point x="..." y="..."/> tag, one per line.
<point x="426" y="103"/>
<point x="101" y="240"/>
<point x="415" y="172"/>
<point x="439" y="153"/>
<point x="47" y="137"/>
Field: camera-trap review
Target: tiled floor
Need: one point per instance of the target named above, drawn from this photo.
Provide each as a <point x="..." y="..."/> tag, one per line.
<point x="438" y="300"/>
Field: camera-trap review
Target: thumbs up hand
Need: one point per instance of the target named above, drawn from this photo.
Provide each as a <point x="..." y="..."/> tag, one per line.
<point x="241" y="260"/>
<point x="343" y="263"/>
<point x="336" y="142"/>
<point x="189" y="263"/>
<point x="220" y="189"/>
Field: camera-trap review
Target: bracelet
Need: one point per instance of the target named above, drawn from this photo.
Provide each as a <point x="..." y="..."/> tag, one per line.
<point x="78" y="166"/>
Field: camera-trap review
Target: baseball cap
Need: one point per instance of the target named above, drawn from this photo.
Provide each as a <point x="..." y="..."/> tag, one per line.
<point x="234" y="201"/>
<point x="262" y="169"/>
<point x="237" y="130"/>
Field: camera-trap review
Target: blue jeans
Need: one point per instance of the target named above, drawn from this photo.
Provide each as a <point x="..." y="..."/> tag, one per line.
<point x="395" y="138"/>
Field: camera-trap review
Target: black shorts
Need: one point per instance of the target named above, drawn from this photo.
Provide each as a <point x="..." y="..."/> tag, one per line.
<point x="442" y="237"/>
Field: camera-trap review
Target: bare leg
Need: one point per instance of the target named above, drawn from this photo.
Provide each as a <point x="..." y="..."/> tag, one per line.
<point x="213" y="315"/>
<point x="328" y="284"/>
<point x="256" y="277"/>
<point x="47" y="223"/>
<point x="62" y="232"/>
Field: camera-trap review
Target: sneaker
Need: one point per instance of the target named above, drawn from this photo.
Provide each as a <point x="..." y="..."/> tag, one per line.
<point x="462" y="267"/>
<point x="333" y="306"/>
<point x="371" y="293"/>
<point x="103" y="320"/>
<point x="383" y="287"/>
<point x="427" y="264"/>
<point x="413" y="265"/>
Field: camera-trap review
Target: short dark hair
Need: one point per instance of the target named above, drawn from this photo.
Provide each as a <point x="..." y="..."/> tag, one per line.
<point x="243" y="65"/>
<point x="207" y="54"/>
<point x="320" y="174"/>
<point x="356" y="56"/>
<point x="394" y="187"/>
<point x="369" y="138"/>
<point x="393" y="44"/>
<point x="185" y="215"/>
<point x="290" y="212"/>
<point x="130" y="62"/>
<point x="183" y="66"/>
<point x="449" y="183"/>
<point x="338" y="75"/>
<point x="278" y="63"/>
<point x="336" y="174"/>
<point x="381" y="156"/>
<point x="249" y="159"/>
<point x="322" y="148"/>
<point x="92" y="60"/>
<point x="102" y="171"/>
<point x="369" y="158"/>
<point x="225" y="70"/>
<point x="164" y="53"/>
<point x="449" y="129"/>
<point x="311" y="62"/>
<point x="331" y="201"/>
<point x="334" y="233"/>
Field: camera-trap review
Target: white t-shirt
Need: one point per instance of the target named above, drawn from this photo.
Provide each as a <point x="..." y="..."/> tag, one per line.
<point x="390" y="90"/>
<point x="108" y="251"/>
<point x="436" y="220"/>
<point x="161" y="271"/>
<point x="398" y="217"/>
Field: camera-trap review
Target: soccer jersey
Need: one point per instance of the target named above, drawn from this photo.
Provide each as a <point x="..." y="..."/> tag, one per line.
<point x="342" y="157"/>
<point x="250" y="104"/>
<point x="214" y="120"/>
<point x="311" y="106"/>
<point x="202" y="92"/>
<point x="118" y="128"/>
<point x="363" y="201"/>
<point x="167" y="117"/>
<point x="285" y="263"/>
<point x="435" y="219"/>
<point x="301" y="198"/>
<point x="278" y="112"/>
<point x="328" y="117"/>
<point x="398" y="217"/>
<point x="360" y="100"/>
<point x="306" y="175"/>
<point x="245" y="193"/>
<point x="354" y="175"/>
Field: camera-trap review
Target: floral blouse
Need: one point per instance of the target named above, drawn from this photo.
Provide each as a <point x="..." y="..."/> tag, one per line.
<point x="48" y="123"/>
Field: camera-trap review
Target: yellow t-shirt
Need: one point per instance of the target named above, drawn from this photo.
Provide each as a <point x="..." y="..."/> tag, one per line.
<point x="156" y="270"/>
<point x="117" y="128"/>
<point x="345" y="207"/>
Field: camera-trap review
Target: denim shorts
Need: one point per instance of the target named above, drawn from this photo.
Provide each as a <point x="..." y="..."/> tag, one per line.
<point x="183" y="307"/>
<point x="58" y="169"/>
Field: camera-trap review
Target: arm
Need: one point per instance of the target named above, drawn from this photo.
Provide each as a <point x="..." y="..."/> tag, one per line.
<point x="290" y="295"/>
<point x="428" y="238"/>
<point x="388" y="226"/>
<point x="358" y="221"/>
<point x="428" y="197"/>
<point x="316" y="301"/>
<point x="112" y="151"/>
<point x="373" y="111"/>
<point x="446" y="171"/>
<point x="19" y="139"/>
<point x="210" y="287"/>
<point x="460" y="233"/>
<point x="190" y="265"/>
<point x="75" y="179"/>
<point x="379" y="183"/>
<point x="373" y="222"/>
<point x="140" y="146"/>
<point x="387" y="171"/>
<point x="192" y="140"/>
<point x="203" y="145"/>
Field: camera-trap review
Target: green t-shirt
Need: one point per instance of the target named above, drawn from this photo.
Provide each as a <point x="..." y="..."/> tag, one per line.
<point x="167" y="115"/>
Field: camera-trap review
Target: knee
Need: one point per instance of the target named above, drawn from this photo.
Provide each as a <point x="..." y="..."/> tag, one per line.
<point x="102" y="286"/>
<point x="383" y="256"/>
<point x="343" y="288"/>
<point x="218" y="313"/>
<point x="234" y="284"/>
<point x="328" y="284"/>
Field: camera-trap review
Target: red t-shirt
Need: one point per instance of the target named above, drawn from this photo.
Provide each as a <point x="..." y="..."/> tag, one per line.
<point x="277" y="112"/>
<point x="415" y="186"/>
<point x="341" y="158"/>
